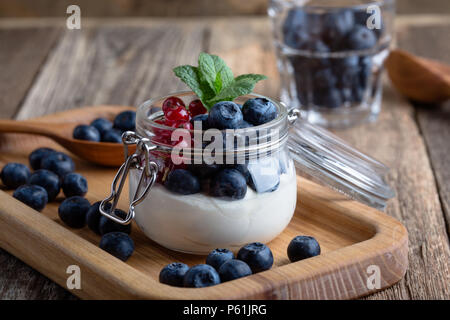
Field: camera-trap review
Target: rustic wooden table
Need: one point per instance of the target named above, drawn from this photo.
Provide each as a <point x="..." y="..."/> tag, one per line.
<point x="45" y="68"/>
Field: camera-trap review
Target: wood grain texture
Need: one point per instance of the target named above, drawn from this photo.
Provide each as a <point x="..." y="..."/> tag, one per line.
<point x="434" y="121"/>
<point x="352" y="237"/>
<point x="22" y="52"/>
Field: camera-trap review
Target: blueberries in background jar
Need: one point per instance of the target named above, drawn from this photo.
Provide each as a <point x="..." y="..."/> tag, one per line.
<point x="32" y="195"/>
<point x="85" y="132"/>
<point x="14" y="175"/>
<point x="36" y="156"/>
<point x="336" y="25"/>
<point x="359" y="38"/>
<point x="47" y="180"/>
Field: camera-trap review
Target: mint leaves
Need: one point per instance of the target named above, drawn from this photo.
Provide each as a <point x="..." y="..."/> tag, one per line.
<point x="213" y="81"/>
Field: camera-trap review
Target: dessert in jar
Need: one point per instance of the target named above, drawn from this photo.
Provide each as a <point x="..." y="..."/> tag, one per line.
<point x="219" y="172"/>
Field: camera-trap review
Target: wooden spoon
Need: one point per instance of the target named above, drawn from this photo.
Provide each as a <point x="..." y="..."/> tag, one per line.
<point x="102" y="153"/>
<point x="418" y="78"/>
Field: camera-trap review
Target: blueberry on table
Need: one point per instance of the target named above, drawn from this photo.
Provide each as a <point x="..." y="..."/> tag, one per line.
<point x="112" y="135"/>
<point x="200" y="118"/>
<point x="257" y="255"/>
<point x="37" y="155"/>
<point x="14" y="175"/>
<point x="201" y="275"/>
<point x="107" y="225"/>
<point x="225" y="115"/>
<point x="125" y="121"/>
<point x="85" y="132"/>
<point x="118" y="244"/>
<point x="173" y="274"/>
<point x="217" y="257"/>
<point x="74" y="184"/>
<point x="47" y="180"/>
<point x="228" y="184"/>
<point x="72" y="211"/>
<point x="183" y="182"/>
<point x="93" y="216"/>
<point x="59" y="163"/>
<point x="258" y="111"/>
<point x="234" y="269"/>
<point x="359" y="38"/>
<point x="102" y="125"/>
<point x="302" y="247"/>
<point x="33" y="196"/>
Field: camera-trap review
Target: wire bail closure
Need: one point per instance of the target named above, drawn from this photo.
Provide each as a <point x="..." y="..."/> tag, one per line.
<point x="147" y="178"/>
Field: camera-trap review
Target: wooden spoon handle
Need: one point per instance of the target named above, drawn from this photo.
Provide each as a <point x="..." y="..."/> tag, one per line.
<point x="32" y="127"/>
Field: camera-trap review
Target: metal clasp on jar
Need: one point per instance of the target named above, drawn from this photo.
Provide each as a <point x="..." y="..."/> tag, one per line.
<point x="138" y="160"/>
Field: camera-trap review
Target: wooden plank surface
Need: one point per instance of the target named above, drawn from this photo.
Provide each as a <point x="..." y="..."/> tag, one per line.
<point x="111" y="64"/>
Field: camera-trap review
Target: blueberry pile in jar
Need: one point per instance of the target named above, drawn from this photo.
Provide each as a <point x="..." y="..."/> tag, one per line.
<point x="331" y="81"/>
<point x="225" y="181"/>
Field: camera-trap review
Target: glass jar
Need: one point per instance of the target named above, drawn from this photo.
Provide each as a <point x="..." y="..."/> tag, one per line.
<point x="198" y="217"/>
<point x="330" y="57"/>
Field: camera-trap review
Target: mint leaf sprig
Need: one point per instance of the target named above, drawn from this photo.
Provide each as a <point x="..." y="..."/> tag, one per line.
<point x="213" y="81"/>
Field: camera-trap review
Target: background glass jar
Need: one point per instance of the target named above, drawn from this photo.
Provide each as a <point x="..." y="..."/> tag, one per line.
<point x="330" y="57"/>
<point x="202" y="221"/>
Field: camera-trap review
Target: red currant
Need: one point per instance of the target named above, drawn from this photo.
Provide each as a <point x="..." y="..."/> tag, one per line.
<point x="196" y="107"/>
<point x="172" y="103"/>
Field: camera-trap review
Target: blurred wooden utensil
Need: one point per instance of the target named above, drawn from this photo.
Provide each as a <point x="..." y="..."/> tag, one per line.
<point x="419" y="78"/>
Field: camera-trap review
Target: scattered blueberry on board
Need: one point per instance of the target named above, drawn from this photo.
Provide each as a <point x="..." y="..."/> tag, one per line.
<point x="107" y="225"/>
<point x="217" y="257"/>
<point x="93" y="216"/>
<point x="36" y="156"/>
<point x="48" y="180"/>
<point x="72" y="211"/>
<point x="257" y="255"/>
<point x="173" y="274"/>
<point x="118" y="244"/>
<point x="125" y="121"/>
<point x="302" y="247"/>
<point x="14" y="175"/>
<point x="86" y="132"/>
<point x="74" y="184"/>
<point x="59" y="163"/>
<point x="234" y="269"/>
<point x="32" y="195"/>
<point x="201" y="275"/>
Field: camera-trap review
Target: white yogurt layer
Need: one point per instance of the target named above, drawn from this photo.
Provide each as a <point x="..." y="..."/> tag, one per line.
<point x="199" y="223"/>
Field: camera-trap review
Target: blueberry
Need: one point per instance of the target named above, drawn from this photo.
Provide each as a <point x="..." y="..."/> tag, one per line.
<point x="47" y="180"/>
<point x="244" y="124"/>
<point x="85" y="132"/>
<point x="119" y="244"/>
<point x="173" y="274"/>
<point x="112" y="135"/>
<point x="201" y="275"/>
<point x="229" y="184"/>
<point x="336" y="24"/>
<point x="297" y="39"/>
<point x="33" y="196"/>
<point x="59" y="163"/>
<point x="360" y="38"/>
<point x="324" y="78"/>
<point x="93" y="216"/>
<point x="14" y="175"/>
<point x="107" y="225"/>
<point x="36" y="157"/>
<point x="302" y="247"/>
<point x="264" y="174"/>
<point x="234" y="269"/>
<point x="201" y="118"/>
<point x="125" y="121"/>
<point x="243" y="169"/>
<point x="74" y="184"/>
<point x="361" y="17"/>
<point x="102" y="125"/>
<point x="257" y="255"/>
<point x="225" y="115"/>
<point x="183" y="182"/>
<point x="295" y="19"/>
<point x="329" y="98"/>
<point x="204" y="171"/>
<point x="217" y="257"/>
<point x="72" y="211"/>
<point x="258" y="111"/>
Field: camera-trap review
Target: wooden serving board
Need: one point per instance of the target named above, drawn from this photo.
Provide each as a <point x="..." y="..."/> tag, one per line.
<point x="352" y="236"/>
